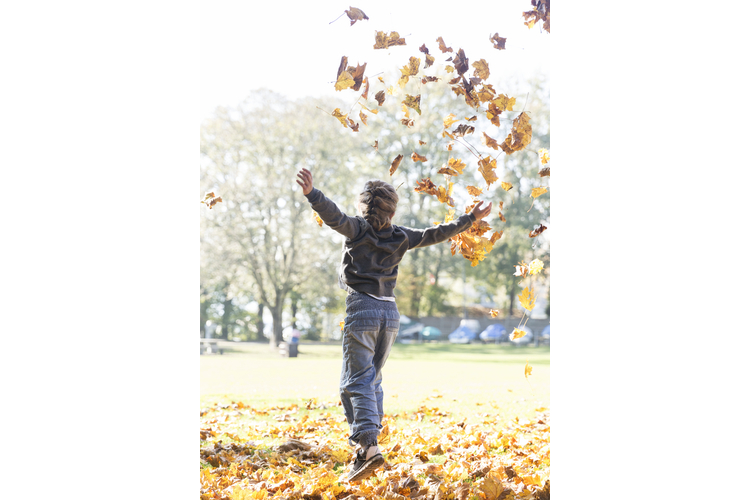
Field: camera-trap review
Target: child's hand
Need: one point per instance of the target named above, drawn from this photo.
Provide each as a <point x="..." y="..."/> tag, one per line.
<point x="307" y="183"/>
<point x="481" y="213"/>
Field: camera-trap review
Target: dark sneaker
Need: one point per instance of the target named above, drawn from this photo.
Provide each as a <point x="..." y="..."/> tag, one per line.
<point x="365" y="467"/>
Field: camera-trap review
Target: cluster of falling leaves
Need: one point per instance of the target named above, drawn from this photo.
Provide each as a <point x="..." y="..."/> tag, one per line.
<point x="211" y="199"/>
<point x="540" y="13"/>
<point x="300" y="452"/>
<point x="478" y="95"/>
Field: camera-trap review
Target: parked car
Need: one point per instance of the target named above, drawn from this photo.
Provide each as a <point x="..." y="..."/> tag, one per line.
<point x="494" y="333"/>
<point x="465" y="333"/>
<point x="430" y="333"/>
<point x="408" y="329"/>
<point x="526" y="339"/>
<point x="544" y="336"/>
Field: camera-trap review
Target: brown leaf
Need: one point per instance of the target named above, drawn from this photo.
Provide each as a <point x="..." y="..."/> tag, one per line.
<point x="498" y="42"/>
<point x="355" y="15"/>
<point x="482" y="69"/>
<point x="537" y="231"/>
<point x="413" y="102"/>
<point x="367" y="88"/>
<point x="462" y="130"/>
<point x="375" y="145"/>
<point x="363" y="117"/>
<point x="502" y="217"/>
<point x="441" y="45"/>
<point x="426" y="186"/>
<point x="383" y="41"/>
<point x="416" y="157"/>
<point x="461" y="62"/>
<point x="428" y="79"/>
<point x="520" y="135"/>
<point x="407" y="122"/>
<point x="380" y="97"/>
<point x="489" y="141"/>
<point x="544" y="172"/>
<point x="394" y="165"/>
<point x="357" y="74"/>
<point x="210" y="200"/>
<point x="447" y="171"/>
<point x="340" y="117"/>
<point x="495" y="236"/>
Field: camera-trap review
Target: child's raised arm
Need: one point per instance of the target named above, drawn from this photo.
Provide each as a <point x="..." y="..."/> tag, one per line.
<point x="436" y="234"/>
<point x="326" y="209"/>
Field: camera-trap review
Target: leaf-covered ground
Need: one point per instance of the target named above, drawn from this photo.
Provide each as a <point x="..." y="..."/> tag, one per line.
<point x="300" y="451"/>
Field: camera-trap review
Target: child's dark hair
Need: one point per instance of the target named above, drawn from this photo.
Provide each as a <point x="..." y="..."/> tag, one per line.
<point x="377" y="203"/>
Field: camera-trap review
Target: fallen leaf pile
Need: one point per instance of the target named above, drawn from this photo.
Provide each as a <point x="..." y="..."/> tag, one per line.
<point x="300" y="451"/>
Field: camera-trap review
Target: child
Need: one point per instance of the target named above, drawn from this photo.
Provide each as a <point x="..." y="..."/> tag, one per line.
<point x="369" y="268"/>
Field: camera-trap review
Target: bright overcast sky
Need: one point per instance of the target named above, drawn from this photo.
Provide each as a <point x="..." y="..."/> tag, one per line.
<point x="294" y="49"/>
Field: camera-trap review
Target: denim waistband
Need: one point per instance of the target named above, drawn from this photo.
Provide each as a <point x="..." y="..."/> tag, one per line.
<point x="357" y="301"/>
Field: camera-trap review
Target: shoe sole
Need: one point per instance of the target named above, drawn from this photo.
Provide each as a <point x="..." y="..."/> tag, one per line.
<point x="368" y="469"/>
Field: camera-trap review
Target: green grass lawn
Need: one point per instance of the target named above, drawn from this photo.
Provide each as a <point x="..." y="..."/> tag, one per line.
<point x="466" y="380"/>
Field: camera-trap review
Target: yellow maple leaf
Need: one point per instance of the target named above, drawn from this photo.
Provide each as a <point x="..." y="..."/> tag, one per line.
<point x="449" y="120"/>
<point x="474" y="191"/>
<point x="517" y="334"/>
<point x="341" y="324"/>
<point x="536" y="192"/>
<point x="506" y="185"/>
<point x="482" y="69"/>
<point x="487" y="169"/>
<point x="494" y="313"/>
<point x="527" y="299"/>
<point x="317" y="219"/>
<point x="527" y="370"/>
<point x="383" y="41"/>
<point x="340" y="117"/>
<point x="535" y="266"/>
<point x="344" y="81"/>
<point x="544" y="156"/>
<point x="391" y="90"/>
<point x="457" y="165"/>
<point x="520" y="135"/>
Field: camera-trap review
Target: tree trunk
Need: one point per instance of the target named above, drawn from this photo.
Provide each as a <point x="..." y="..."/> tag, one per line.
<point x="512" y="296"/>
<point x="259" y="323"/>
<point x="276" y="337"/>
<point x="225" y="319"/>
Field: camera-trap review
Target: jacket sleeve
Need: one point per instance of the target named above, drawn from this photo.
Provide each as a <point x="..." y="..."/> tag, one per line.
<point x="437" y="234"/>
<point x="332" y="216"/>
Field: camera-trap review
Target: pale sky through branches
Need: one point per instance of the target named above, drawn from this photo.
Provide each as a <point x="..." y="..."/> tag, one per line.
<point x="294" y="49"/>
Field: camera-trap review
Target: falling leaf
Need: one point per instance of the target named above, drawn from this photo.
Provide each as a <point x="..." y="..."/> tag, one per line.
<point x="517" y="333"/>
<point x="422" y="143"/>
<point x="544" y="172"/>
<point x="413" y="102"/>
<point x="380" y="97"/>
<point x="383" y="41"/>
<point x="522" y="269"/>
<point x="461" y="62"/>
<point x="426" y="186"/>
<point x="502" y="217"/>
<point x="375" y="145"/>
<point x="527" y="370"/>
<point x="408" y="70"/>
<point x="394" y="165"/>
<point x="391" y="90"/>
<point x="498" y="42"/>
<point x="450" y="145"/>
<point x="407" y="122"/>
<point x="367" y="88"/>
<point x="441" y="45"/>
<point x="449" y="69"/>
<point x="527" y="299"/>
<point x="482" y="69"/>
<point x="494" y="313"/>
<point x="536" y="266"/>
<point x="363" y="117"/>
<point x="449" y="120"/>
<point x="354" y="126"/>
<point x="358" y="74"/>
<point x="317" y="219"/>
<point x="487" y="169"/>
<point x="544" y="156"/>
<point x="489" y="141"/>
<point x="355" y="15"/>
<point x="416" y="157"/>
<point x="462" y="130"/>
<point x="474" y="191"/>
<point x="340" y="117"/>
<point x="373" y="111"/>
<point x="211" y="199"/>
<point x="520" y="135"/>
<point x="495" y="236"/>
<point x="344" y="81"/>
<point x="537" y="231"/>
<point x="427" y="79"/>
<point x="506" y="185"/>
<point x="540" y="12"/>
<point x="537" y="192"/>
<point x="341" y="324"/>
<point x="456" y="164"/>
<point x="447" y="171"/>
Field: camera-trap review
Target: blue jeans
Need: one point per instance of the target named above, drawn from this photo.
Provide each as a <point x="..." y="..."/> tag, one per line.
<point x="370" y="329"/>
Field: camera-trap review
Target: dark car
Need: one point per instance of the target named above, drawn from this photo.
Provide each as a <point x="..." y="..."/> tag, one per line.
<point x="494" y="333"/>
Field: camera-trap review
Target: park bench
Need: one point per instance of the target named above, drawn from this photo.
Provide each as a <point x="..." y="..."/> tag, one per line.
<point x="210" y="346"/>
